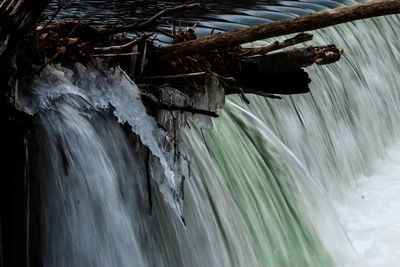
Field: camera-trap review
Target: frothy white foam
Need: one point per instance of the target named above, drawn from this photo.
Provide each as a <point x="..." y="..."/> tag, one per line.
<point x="370" y="213"/>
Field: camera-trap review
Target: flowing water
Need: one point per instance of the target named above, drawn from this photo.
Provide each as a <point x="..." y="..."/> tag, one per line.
<point x="309" y="180"/>
<point x="345" y="132"/>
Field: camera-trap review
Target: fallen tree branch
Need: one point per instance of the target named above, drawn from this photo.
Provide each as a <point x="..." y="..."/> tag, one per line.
<point x="116" y="55"/>
<point x="261" y="93"/>
<point x="168" y="11"/>
<point x="121" y="47"/>
<point x="188" y="109"/>
<point x="277" y="45"/>
<point x="60" y="6"/>
<point x="308" y="22"/>
<point x="143" y="63"/>
<point x="292" y="59"/>
<point x="166" y="106"/>
<point x="169" y="77"/>
<point x="136" y="26"/>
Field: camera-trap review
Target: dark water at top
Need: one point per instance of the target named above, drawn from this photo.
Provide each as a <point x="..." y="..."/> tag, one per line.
<point x="219" y="15"/>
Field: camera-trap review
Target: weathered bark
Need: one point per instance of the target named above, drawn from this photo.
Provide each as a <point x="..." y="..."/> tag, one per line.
<point x="291" y="60"/>
<point x="308" y="22"/>
<point x="282" y="73"/>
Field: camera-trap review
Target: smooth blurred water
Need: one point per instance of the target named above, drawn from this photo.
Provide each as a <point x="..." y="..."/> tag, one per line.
<point x="94" y="200"/>
<point x="249" y="201"/>
<point x="288" y="215"/>
<point x="345" y="132"/>
<point x="351" y="115"/>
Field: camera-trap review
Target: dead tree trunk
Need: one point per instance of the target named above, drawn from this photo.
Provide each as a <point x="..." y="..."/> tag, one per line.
<point x="308" y="22"/>
<point x="282" y="73"/>
<point x="17" y="17"/>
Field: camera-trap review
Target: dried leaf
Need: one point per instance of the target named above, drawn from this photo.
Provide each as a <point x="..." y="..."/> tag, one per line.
<point x="72" y="40"/>
<point x="44" y="35"/>
<point x="62" y="49"/>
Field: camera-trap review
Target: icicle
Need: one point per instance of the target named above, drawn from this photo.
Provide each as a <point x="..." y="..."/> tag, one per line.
<point x="213" y="98"/>
<point x="100" y="90"/>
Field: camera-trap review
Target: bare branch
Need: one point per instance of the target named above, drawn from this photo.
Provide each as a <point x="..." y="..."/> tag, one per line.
<point x="60" y="6"/>
<point x="170" y="77"/>
<point x="277" y="45"/>
<point x="136" y="26"/>
<point x="115" y="55"/>
<point x="166" y="106"/>
<point x="121" y="47"/>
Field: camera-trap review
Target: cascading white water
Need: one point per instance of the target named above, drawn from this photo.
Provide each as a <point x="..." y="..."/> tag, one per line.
<point x="289" y="217"/>
<point x="343" y="129"/>
<point x="84" y="221"/>
<point x="352" y="112"/>
<point x="369" y="211"/>
<point x="94" y="201"/>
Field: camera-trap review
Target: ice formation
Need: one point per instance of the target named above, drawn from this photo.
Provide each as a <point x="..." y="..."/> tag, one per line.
<point x="102" y="89"/>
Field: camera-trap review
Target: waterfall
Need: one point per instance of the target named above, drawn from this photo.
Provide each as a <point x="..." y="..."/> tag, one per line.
<point x="91" y="178"/>
<point x="259" y="186"/>
<point x="338" y="131"/>
<point x="290" y="219"/>
<point x="351" y="114"/>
